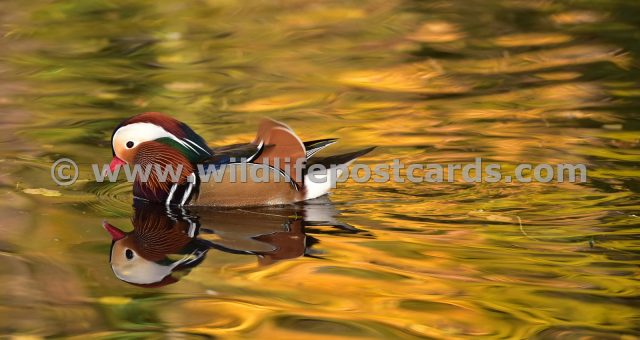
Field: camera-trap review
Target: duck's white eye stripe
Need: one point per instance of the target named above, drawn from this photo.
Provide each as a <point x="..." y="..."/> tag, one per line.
<point x="148" y="131"/>
<point x="143" y="132"/>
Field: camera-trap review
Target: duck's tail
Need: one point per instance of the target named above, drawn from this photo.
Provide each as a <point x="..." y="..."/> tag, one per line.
<point x="319" y="182"/>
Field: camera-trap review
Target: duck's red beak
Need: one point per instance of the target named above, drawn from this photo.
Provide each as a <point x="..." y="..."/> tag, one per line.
<point x="115" y="163"/>
<point x="116" y="234"/>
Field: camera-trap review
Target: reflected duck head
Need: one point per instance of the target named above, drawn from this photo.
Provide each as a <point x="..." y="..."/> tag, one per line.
<point x="154" y="254"/>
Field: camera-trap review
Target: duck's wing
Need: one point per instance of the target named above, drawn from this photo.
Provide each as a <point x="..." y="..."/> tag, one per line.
<point x="273" y="155"/>
<point x="282" y="149"/>
<point x="244" y="152"/>
<point x="285" y="156"/>
<point x="275" y="145"/>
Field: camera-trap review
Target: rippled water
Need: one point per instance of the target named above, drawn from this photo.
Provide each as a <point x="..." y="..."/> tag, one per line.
<point x="426" y="81"/>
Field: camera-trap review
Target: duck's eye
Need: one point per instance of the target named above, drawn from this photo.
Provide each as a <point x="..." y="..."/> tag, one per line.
<point x="129" y="254"/>
<point x="129" y="144"/>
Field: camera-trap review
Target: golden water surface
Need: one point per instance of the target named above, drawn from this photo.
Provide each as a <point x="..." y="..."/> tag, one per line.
<point x="511" y="81"/>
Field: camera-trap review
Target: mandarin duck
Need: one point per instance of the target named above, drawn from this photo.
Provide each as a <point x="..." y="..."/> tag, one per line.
<point x="154" y="138"/>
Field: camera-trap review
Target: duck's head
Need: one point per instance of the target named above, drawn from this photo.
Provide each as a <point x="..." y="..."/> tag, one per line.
<point x="154" y="126"/>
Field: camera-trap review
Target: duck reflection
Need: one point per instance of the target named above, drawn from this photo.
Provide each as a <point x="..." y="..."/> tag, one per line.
<point x="166" y="243"/>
